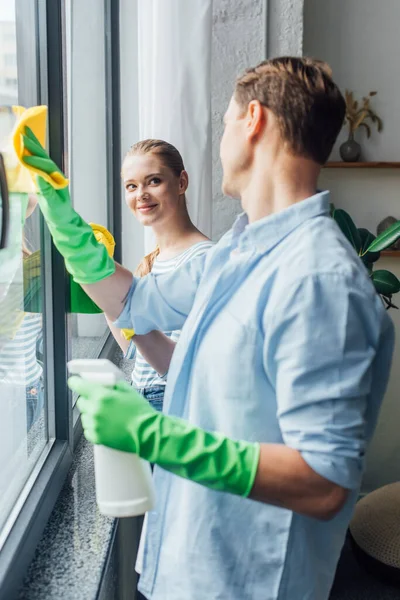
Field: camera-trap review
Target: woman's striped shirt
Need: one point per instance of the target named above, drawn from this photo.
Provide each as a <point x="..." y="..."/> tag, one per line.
<point x="143" y="375"/>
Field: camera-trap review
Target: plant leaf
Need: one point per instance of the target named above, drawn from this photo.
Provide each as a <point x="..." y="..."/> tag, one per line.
<point x="385" y="282"/>
<point x="366" y="240"/>
<point x="348" y="228"/>
<point x="367" y="127"/>
<point x="369" y="267"/>
<point x="385" y="239"/>
<point x="363" y="114"/>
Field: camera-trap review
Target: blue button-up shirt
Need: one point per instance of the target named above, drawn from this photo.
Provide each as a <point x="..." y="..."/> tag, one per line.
<point x="284" y="341"/>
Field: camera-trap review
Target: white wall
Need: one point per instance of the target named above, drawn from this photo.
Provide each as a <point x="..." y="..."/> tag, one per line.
<point x="359" y="39"/>
<point x="383" y="458"/>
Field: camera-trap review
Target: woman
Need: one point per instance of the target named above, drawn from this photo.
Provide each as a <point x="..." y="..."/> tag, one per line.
<point x="155" y="183"/>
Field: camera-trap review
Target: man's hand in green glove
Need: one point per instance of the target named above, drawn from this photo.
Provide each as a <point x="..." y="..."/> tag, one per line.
<point x="121" y="418"/>
<point x="85" y="259"/>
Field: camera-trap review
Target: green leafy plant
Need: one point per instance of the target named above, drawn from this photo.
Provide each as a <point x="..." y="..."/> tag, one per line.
<point x="357" y="114"/>
<point x="369" y="248"/>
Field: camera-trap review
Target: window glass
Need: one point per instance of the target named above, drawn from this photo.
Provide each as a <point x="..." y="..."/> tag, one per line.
<point x="87" y="143"/>
<point x="23" y="424"/>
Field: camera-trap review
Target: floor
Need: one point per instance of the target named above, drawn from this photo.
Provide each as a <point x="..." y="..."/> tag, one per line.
<point x="353" y="582"/>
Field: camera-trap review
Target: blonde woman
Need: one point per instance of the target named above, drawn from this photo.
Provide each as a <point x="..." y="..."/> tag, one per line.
<point x="155" y="183"/>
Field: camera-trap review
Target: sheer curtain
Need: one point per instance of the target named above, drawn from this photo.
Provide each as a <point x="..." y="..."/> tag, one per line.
<point x="174" y="86"/>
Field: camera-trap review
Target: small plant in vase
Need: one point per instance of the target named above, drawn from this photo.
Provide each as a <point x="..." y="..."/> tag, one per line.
<point x="358" y="115"/>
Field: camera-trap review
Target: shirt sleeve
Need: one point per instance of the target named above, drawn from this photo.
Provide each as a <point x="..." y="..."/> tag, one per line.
<point x="162" y="302"/>
<point x="322" y="340"/>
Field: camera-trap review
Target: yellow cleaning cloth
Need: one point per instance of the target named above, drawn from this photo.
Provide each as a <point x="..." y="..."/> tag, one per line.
<point x="19" y="179"/>
<point x="103" y="236"/>
<point x="35" y="118"/>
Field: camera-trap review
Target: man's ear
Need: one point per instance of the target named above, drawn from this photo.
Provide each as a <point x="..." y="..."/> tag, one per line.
<point x="183" y="182"/>
<point x="255" y="119"/>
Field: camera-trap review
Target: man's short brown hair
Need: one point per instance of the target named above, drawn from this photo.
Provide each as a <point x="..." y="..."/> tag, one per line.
<point x="308" y="105"/>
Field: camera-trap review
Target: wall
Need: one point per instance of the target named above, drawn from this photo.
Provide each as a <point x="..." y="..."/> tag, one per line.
<point x="245" y="32"/>
<point x="239" y="36"/>
<point x="348" y="35"/>
<point x="383" y="458"/>
<point x="359" y="39"/>
<point x="285" y="27"/>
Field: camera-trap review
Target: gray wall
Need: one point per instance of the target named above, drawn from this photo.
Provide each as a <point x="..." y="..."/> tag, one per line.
<point x="239" y="37"/>
<point x="245" y="33"/>
<point x="285" y="27"/>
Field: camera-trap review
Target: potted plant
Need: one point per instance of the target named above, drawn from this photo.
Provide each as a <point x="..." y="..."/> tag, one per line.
<point x="357" y="116"/>
<point x="369" y="248"/>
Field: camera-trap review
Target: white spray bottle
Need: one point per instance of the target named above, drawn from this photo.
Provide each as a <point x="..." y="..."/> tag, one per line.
<point x="124" y="486"/>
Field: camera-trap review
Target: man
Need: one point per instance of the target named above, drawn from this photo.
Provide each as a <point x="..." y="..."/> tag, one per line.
<point x="285" y="346"/>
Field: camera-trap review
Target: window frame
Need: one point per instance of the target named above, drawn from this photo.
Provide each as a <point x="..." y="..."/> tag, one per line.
<point x="40" y="64"/>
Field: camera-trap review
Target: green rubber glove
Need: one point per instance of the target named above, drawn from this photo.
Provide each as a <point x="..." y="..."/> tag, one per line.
<point x="85" y="259"/>
<point x="79" y="300"/>
<point x="121" y="418"/>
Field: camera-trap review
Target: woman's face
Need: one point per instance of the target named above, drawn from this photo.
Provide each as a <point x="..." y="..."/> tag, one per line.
<point x="152" y="191"/>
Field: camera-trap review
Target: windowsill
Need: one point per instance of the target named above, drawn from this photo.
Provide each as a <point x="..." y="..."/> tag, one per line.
<point x="70" y="558"/>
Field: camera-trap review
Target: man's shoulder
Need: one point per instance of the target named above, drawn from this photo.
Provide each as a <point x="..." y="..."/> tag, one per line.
<point x="317" y="262"/>
<point x="319" y="247"/>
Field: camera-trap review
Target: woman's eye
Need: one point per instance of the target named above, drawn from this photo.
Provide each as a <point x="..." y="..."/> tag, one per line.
<point x="130" y="187"/>
<point x="155" y="180"/>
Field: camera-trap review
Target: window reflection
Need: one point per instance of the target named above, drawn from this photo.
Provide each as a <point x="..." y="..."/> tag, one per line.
<point x="23" y="426"/>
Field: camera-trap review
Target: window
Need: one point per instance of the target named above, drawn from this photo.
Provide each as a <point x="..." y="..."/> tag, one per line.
<point x="23" y="426"/>
<point x="66" y="60"/>
<point x="8" y="53"/>
<point x="87" y="144"/>
<point x="10" y="60"/>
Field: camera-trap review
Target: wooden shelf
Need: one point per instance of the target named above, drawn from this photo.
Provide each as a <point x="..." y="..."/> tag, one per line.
<point x="361" y="165"/>
<point x="391" y="253"/>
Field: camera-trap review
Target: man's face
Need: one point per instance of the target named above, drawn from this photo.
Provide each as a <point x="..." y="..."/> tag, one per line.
<point x="234" y="151"/>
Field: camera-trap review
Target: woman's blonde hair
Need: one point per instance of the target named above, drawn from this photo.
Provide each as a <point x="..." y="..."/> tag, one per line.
<point x="146" y="264"/>
<point x="172" y="159"/>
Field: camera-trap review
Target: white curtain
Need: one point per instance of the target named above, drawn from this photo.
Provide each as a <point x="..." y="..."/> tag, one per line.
<point x="174" y="56"/>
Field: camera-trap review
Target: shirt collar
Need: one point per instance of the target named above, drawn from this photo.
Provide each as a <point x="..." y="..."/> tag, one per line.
<point x="269" y="231"/>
